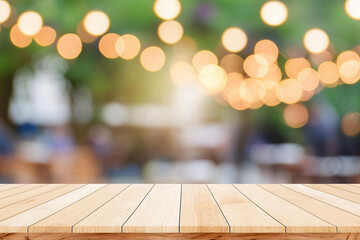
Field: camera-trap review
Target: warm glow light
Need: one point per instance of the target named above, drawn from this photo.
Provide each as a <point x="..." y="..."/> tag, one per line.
<point x="270" y="98"/>
<point x="69" y="46"/>
<point x="96" y="23"/>
<point x="167" y="9"/>
<point x="212" y="78"/>
<point x="233" y="82"/>
<point x="46" y="36"/>
<point x="352" y="8"/>
<point x="316" y="40"/>
<point x="107" y="45"/>
<point x="350" y="71"/>
<point x="307" y="95"/>
<point x="274" y="13"/>
<point x="170" y="31"/>
<point x="328" y="73"/>
<point x="234" y="39"/>
<point x="152" y="58"/>
<point x="350" y="124"/>
<point x="294" y="66"/>
<point x="182" y="73"/>
<point x="236" y="101"/>
<point x="30" y="23"/>
<point x="309" y="79"/>
<point x="346" y="56"/>
<point x="252" y="90"/>
<point x="289" y="91"/>
<point x="128" y="46"/>
<point x="296" y="115"/>
<point x="267" y="49"/>
<point x="256" y="66"/>
<point x="232" y="63"/>
<point x="318" y="59"/>
<point x="203" y="58"/>
<point x="18" y="38"/>
<point x="272" y="76"/>
<point x="5" y="11"/>
<point x="83" y="34"/>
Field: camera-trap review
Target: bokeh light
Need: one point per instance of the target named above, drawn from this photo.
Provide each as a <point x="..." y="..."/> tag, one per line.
<point x="203" y="58"/>
<point x="128" y="46"/>
<point x="83" y="34"/>
<point x="270" y="98"/>
<point x="350" y="71"/>
<point x="212" y="78"/>
<point x="69" y="46"/>
<point x="272" y="76"/>
<point x="296" y="115"/>
<point x="294" y="66"/>
<point x="352" y="8"/>
<point x="256" y="66"/>
<point x="30" y="23"/>
<point x="233" y="82"/>
<point x="267" y="49"/>
<point x="46" y="36"/>
<point x="236" y="101"/>
<point x="316" y="40"/>
<point x="18" y="38"/>
<point x="167" y="9"/>
<point x="252" y="90"/>
<point x="274" y="13"/>
<point x="107" y="45"/>
<point x="309" y="79"/>
<point x="170" y="31"/>
<point x="328" y="73"/>
<point x="152" y="58"/>
<point x="289" y="91"/>
<point x="234" y="39"/>
<point x="96" y="23"/>
<point x="232" y="63"/>
<point x="5" y="11"/>
<point x="350" y="124"/>
<point x="182" y="73"/>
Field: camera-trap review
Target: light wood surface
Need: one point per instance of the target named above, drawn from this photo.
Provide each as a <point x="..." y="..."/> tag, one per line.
<point x="179" y="211"/>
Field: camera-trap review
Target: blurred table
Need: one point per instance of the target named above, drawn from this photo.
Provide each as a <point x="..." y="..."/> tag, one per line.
<point x="179" y="211"/>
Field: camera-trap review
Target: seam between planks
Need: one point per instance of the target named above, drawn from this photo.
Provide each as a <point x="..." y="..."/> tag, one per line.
<point x="72" y="227"/>
<point x="333" y="193"/>
<point x="122" y="226"/>
<point x="353" y="185"/>
<point x="342" y="189"/>
<point x="259" y="206"/>
<point x="323" y="201"/>
<point x="10" y="188"/>
<point x="24" y="191"/>
<point x="219" y="208"/>
<point x="180" y="206"/>
<point x="27" y="228"/>
<point x="301" y="207"/>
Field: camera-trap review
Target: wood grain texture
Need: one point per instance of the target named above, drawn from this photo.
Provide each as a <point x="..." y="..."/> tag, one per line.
<point x="180" y="236"/>
<point x="335" y="201"/>
<point x="28" y="194"/>
<point x="199" y="211"/>
<point x="294" y="218"/>
<point x="242" y="214"/>
<point x="159" y="212"/>
<point x="344" y="221"/>
<point x="20" y="189"/>
<point x="350" y="188"/>
<point x="336" y="191"/>
<point x="63" y="220"/>
<point x="6" y="187"/>
<point x="110" y="217"/>
<point x="20" y="222"/>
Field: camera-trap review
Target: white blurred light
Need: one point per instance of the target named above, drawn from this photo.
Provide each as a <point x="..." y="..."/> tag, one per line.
<point x="115" y="114"/>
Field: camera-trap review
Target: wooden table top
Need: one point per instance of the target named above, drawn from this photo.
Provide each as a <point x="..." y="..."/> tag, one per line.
<point x="179" y="208"/>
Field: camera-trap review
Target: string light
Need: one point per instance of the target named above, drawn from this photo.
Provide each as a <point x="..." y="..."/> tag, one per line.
<point x="5" y="11"/>
<point x="128" y="46"/>
<point x="30" y="23"/>
<point x="19" y="39"/>
<point x="234" y="39"/>
<point x="96" y="23"/>
<point x="352" y="8"/>
<point x="69" y="46"/>
<point x="203" y="58"/>
<point x="46" y="36"/>
<point x="152" y="58"/>
<point x="212" y="78"/>
<point x="274" y="13"/>
<point x="296" y="115"/>
<point x="170" y="31"/>
<point x="167" y="9"/>
<point x="107" y="45"/>
<point x="316" y="40"/>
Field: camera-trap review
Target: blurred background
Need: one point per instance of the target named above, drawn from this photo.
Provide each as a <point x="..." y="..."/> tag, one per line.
<point x="179" y="91"/>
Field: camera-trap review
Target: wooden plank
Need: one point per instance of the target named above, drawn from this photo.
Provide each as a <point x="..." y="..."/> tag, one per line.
<point x="344" y="221"/>
<point x="29" y="203"/>
<point x="9" y="186"/>
<point x="110" y="217"/>
<point x="336" y="191"/>
<point x="294" y="218"/>
<point x="17" y="190"/>
<point x="28" y="194"/>
<point x="20" y="222"/>
<point x="346" y="187"/>
<point x="242" y="214"/>
<point x="62" y="221"/>
<point x="199" y="211"/>
<point x="335" y="201"/>
<point x="159" y="212"/>
<point x="181" y="236"/>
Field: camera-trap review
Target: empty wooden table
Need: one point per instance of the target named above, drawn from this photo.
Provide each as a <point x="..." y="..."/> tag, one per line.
<point x="179" y="211"/>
